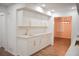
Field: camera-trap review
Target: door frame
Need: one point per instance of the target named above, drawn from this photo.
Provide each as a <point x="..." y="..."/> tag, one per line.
<point x="54" y="29"/>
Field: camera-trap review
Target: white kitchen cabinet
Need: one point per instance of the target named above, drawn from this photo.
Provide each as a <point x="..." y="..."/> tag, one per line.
<point x="44" y="41"/>
<point x="28" y="17"/>
<point x="3" y="39"/>
<point x="20" y="18"/>
<point x="33" y="45"/>
<point x="22" y="46"/>
<point x="30" y="45"/>
<point x="27" y="46"/>
<point x="36" y="23"/>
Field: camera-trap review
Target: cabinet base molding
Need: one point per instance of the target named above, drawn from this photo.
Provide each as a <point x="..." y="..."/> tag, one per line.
<point x="40" y="50"/>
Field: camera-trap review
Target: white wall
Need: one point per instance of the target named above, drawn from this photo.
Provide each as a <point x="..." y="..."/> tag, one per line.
<point x="0" y="31"/>
<point x="75" y="29"/>
<point x="3" y="34"/>
<point x="11" y="23"/>
<point x="74" y="50"/>
<point x="74" y="15"/>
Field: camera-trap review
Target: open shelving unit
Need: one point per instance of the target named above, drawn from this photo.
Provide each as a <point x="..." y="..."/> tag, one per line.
<point x="32" y="20"/>
<point x="27" y="16"/>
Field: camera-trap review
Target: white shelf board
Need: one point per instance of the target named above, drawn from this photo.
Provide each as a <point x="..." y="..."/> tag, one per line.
<point x="33" y="26"/>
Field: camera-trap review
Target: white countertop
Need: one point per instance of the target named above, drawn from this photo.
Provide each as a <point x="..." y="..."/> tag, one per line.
<point x="29" y="36"/>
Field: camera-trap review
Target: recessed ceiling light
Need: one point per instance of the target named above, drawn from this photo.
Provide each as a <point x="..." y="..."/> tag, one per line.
<point x="39" y="9"/>
<point x="73" y="7"/>
<point x="52" y="10"/>
<point x="43" y="5"/>
<point x="49" y="13"/>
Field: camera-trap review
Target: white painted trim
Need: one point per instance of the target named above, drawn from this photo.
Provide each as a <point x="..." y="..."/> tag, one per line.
<point x="30" y="36"/>
<point x="68" y="51"/>
<point x="11" y="52"/>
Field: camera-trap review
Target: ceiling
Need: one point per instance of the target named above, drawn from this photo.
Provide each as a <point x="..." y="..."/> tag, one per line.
<point x="55" y="6"/>
<point x="6" y="4"/>
<point x="49" y="6"/>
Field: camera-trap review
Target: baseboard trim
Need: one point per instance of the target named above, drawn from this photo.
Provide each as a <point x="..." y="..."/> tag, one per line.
<point x="61" y="38"/>
<point x="67" y="53"/>
<point x="40" y="50"/>
<point x="10" y="52"/>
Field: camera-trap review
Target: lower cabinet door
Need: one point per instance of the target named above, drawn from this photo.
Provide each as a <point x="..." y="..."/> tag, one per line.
<point x="44" y="41"/>
<point x="37" y="45"/>
<point x="22" y="47"/>
<point x="33" y="45"/>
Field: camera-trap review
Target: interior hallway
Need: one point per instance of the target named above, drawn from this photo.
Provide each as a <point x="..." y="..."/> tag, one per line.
<point x="59" y="49"/>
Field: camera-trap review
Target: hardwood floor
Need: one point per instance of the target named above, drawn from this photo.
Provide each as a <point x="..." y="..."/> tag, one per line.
<point x="60" y="47"/>
<point x="4" y="53"/>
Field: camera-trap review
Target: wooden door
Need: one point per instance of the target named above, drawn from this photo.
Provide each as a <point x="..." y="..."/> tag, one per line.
<point x="62" y="27"/>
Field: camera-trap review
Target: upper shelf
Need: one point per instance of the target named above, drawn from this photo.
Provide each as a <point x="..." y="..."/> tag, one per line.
<point x="29" y="9"/>
<point x="33" y="26"/>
